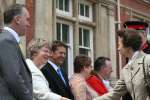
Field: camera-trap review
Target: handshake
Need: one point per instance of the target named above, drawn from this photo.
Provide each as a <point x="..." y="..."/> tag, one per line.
<point x="63" y="98"/>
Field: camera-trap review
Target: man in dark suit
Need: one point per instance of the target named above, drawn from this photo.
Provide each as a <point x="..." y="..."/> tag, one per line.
<point x="15" y="77"/>
<point x="58" y="80"/>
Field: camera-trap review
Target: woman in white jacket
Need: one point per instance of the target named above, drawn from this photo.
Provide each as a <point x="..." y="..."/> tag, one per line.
<point x="38" y="52"/>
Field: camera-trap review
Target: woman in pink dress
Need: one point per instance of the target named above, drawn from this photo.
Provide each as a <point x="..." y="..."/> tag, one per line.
<point x="79" y="87"/>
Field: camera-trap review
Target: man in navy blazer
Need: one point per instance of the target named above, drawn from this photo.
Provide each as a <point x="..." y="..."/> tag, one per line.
<point x="15" y="77"/>
<point x="58" y="81"/>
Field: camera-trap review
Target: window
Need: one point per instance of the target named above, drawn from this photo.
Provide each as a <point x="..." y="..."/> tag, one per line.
<point x="85" y="11"/>
<point x="85" y="39"/>
<point x="64" y="33"/>
<point x="64" y="7"/>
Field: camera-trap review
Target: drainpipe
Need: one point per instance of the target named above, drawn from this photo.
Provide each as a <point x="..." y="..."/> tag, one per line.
<point x="119" y="27"/>
<point x="118" y="13"/>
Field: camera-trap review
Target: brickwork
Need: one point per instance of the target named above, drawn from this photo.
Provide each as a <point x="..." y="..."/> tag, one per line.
<point x="133" y="5"/>
<point x="30" y="32"/>
<point x="127" y="12"/>
<point x="137" y="5"/>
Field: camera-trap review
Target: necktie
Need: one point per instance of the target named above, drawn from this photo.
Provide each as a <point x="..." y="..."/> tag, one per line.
<point x="61" y="76"/>
<point x="22" y="48"/>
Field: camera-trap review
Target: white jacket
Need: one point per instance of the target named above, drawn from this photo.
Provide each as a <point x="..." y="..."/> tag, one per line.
<point x="41" y="90"/>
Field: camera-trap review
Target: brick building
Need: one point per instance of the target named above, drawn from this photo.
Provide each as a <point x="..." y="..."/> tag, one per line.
<point x="86" y="26"/>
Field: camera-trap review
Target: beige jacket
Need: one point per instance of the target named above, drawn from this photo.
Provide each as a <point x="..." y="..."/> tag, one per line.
<point x="131" y="80"/>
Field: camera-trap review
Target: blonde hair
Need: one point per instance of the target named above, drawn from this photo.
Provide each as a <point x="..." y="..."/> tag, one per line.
<point x="35" y="45"/>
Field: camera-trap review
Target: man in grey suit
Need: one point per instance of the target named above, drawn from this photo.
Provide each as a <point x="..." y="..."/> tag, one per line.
<point x="15" y="77"/>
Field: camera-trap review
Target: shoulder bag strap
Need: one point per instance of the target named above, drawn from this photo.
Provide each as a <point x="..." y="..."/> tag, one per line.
<point x="146" y="77"/>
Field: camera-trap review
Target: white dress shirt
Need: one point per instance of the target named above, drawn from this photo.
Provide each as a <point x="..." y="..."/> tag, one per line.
<point x="107" y="84"/>
<point x="16" y="36"/>
<point x="58" y="70"/>
<point x="53" y="65"/>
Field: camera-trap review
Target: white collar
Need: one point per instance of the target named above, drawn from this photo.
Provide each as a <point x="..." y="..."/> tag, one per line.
<point x="133" y="57"/>
<point x="13" y="33"/>
<point x="31" y="65"/>
<point x="53" y="65"/>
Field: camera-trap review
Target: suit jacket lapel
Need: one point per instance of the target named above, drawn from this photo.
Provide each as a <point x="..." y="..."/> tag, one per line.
<point x="58" y="79"/>
<point x="23" y="59"/>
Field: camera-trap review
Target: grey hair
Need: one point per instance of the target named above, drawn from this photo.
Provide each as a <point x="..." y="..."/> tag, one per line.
<point x="12" y="11"/>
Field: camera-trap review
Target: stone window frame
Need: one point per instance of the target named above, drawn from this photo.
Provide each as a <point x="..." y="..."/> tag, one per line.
<point x="69" y="60"/>
<point x="64" y="12"/>
<point x="90" y="47"/>
<point x="89" y="4"/>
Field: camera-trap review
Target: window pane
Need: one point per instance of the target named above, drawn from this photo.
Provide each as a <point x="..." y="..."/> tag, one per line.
<point x="86" y="37"/>
<point x="56" y="3"/>
<point x="78" y="8"/>
<point x="83" y="51"/>
<point x="61" y="4"/>
<point x="67" y="5"/>
<point x="65" y="33"/>
<point x="82" y="9"/>
<point x="87" y="11"/>
<point x="58" y="31"/>
<point x="80" y="36"/>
